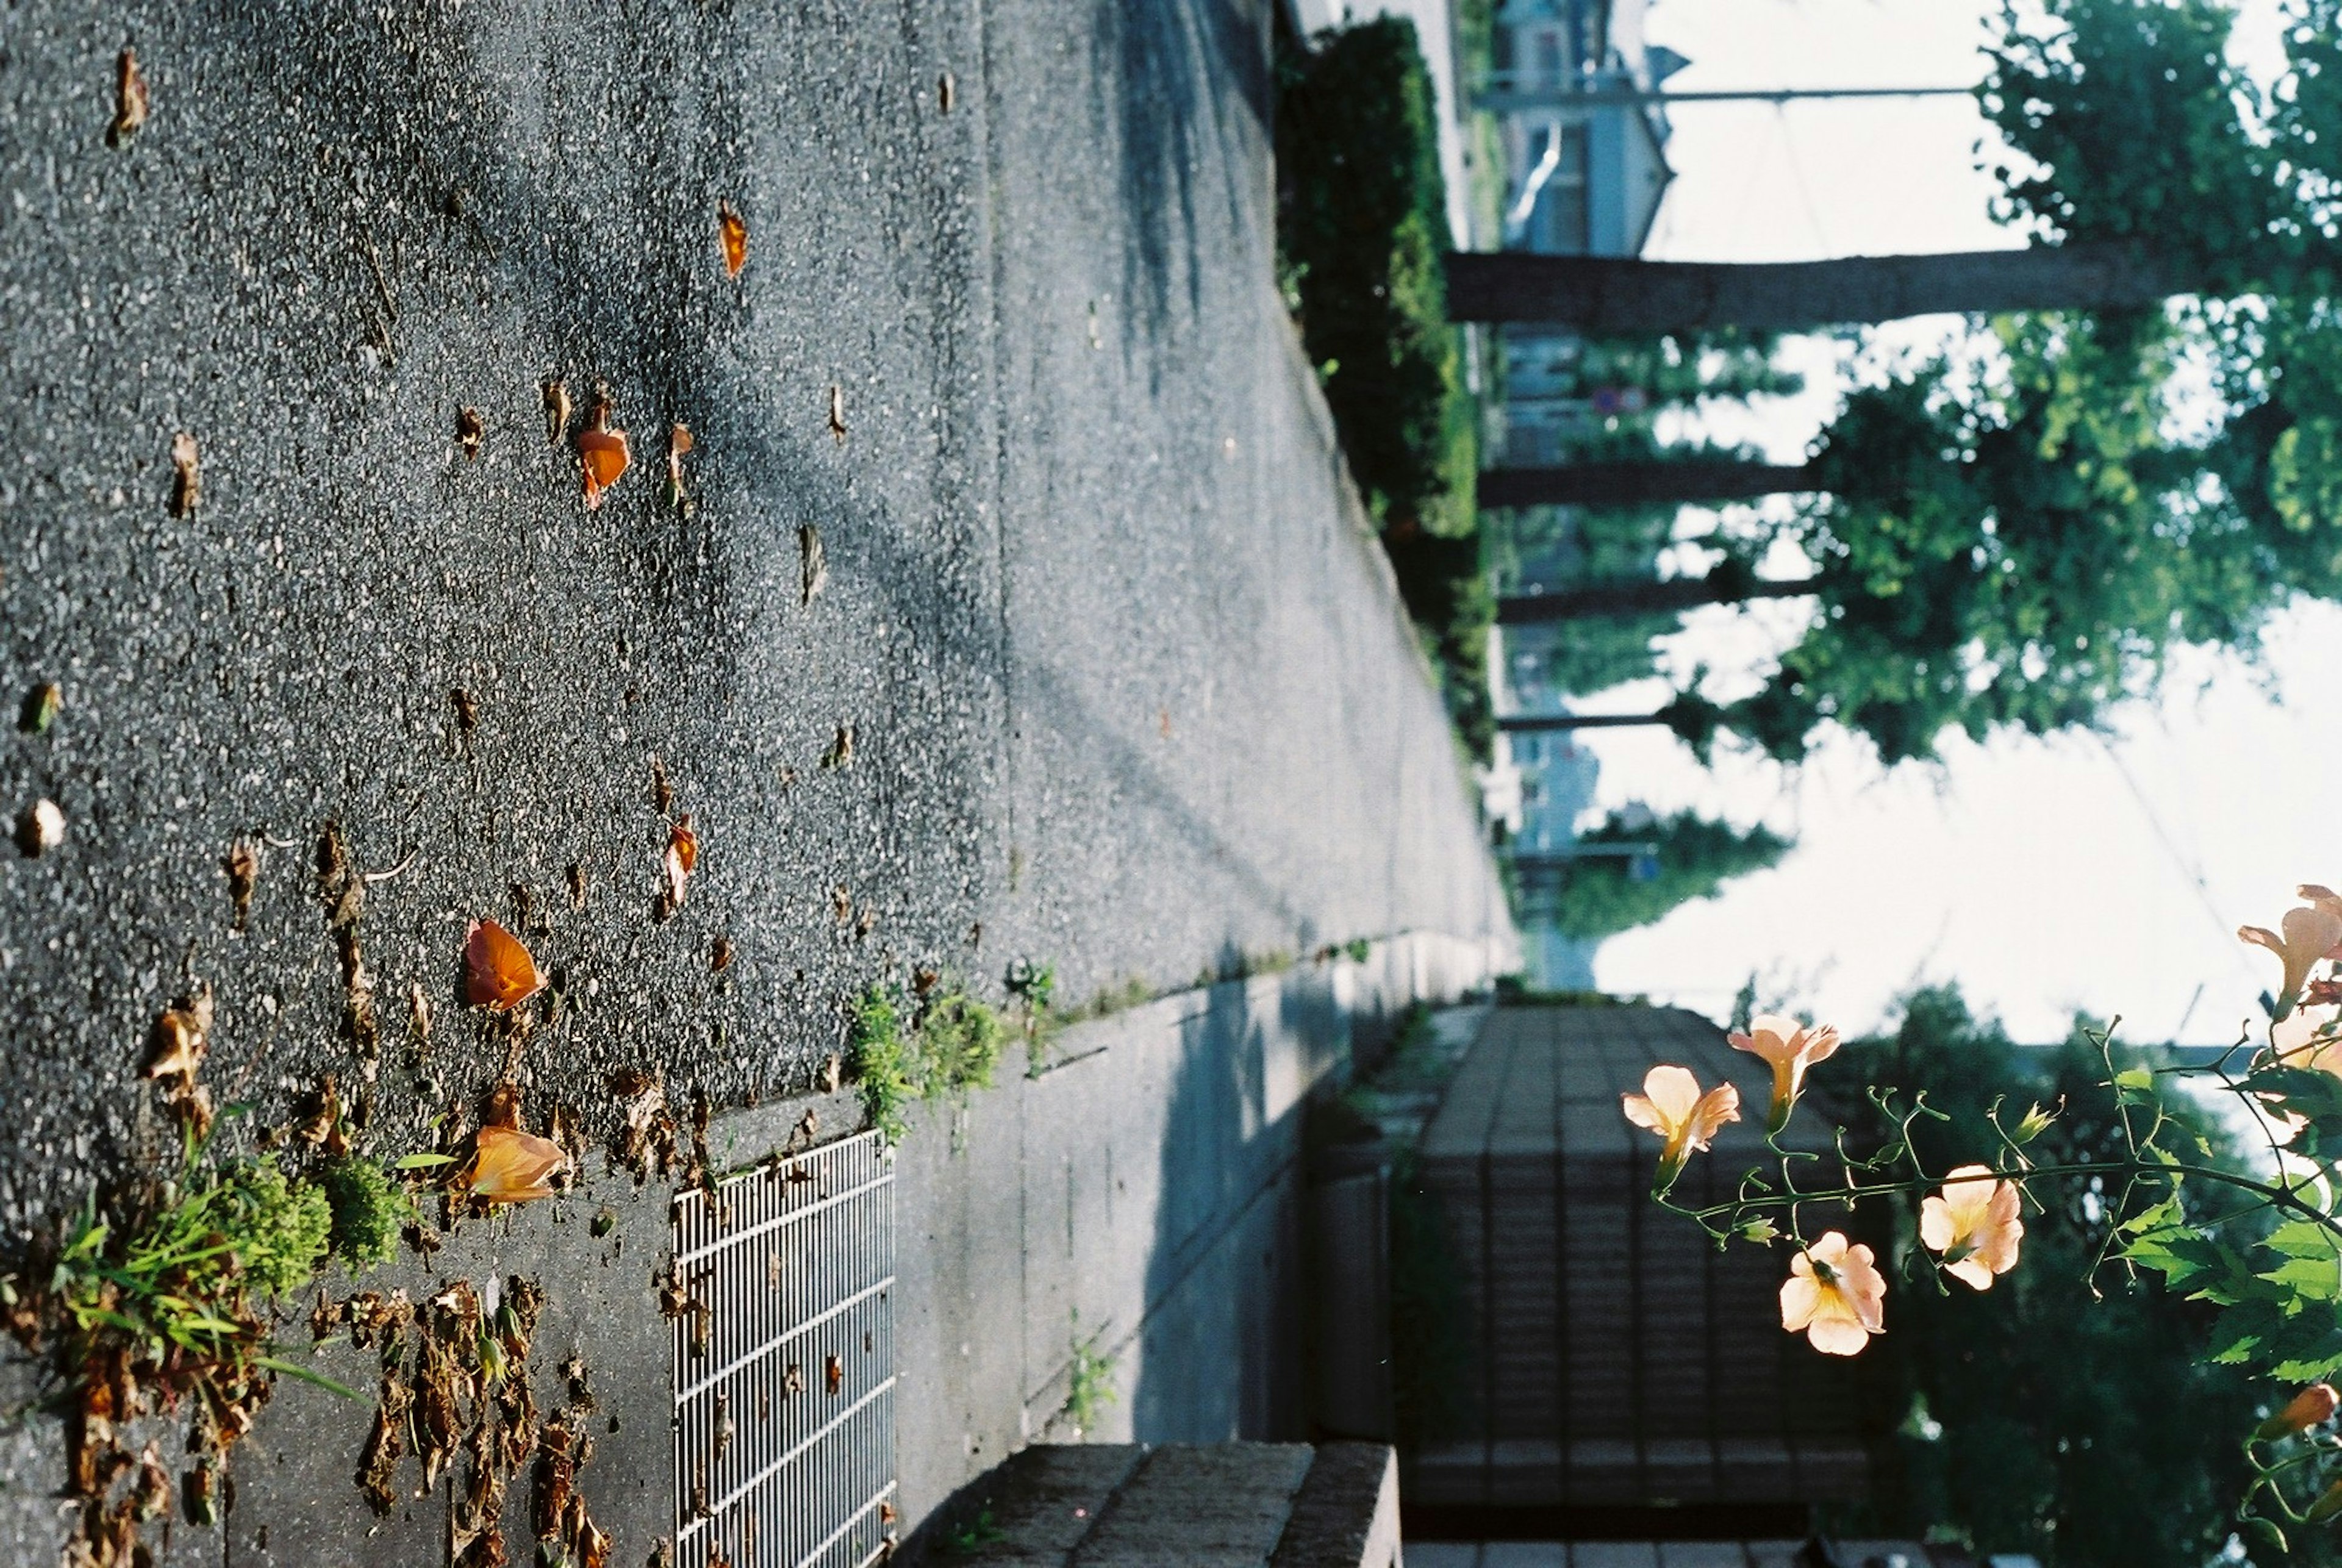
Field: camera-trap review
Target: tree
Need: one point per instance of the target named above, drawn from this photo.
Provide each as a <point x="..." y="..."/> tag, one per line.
<point x="2138" y="172"/>
<point x="1694" y="856"/>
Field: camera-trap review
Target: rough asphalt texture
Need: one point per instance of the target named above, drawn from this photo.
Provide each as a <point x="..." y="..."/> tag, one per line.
<point x="1127" y="686"/>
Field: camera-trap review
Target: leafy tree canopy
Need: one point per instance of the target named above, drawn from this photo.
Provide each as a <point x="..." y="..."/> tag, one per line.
<point x="1694" y="856"/>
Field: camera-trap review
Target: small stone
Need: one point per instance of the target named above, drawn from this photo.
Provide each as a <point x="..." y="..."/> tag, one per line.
<point x="41" y="829"/>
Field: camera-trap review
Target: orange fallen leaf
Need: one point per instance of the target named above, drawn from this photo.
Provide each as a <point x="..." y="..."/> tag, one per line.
<point x="602" y="454"/>
<point x="682" y="859"/>
<point x="734" y="230"/>
<point x="512" y="1167"/>
<point x="498" y="972"/>
<point x="131" y="100"/>
<point x="178" y="1046"/>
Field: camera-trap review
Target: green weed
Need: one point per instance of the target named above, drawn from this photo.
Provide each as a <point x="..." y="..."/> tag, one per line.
<point x="966" y="1540"/>
<point x="1089" y="1381"/>
<point x="368" y="1207"/>
<point x="903" y="1051"/>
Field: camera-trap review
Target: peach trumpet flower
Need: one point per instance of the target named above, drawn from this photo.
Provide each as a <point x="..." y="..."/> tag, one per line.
<point x="1974" y="1223"/>
<point x="1835" y="1295"/>
<point x="2306" y="937"/>
<point x="1791" y="1047"/>
<point x="510" y="1167"/>
<point x="2313" y="1406"/>
<point x="1672" y="1105"/>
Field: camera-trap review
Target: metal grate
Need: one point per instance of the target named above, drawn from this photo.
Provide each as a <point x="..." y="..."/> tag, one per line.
<point x="785" y="1364"/>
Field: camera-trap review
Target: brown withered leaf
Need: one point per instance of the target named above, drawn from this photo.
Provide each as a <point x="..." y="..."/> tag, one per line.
<point x="732" y="232"/>
<point x="792" y="1380"/>
<point x="661" y="791"/>
<point x="841" y="904"/>
<point x="186" y="477"/>
<point x="719" y="956"/>
<point x="813" y="565"/>
<point x="832" y="1372"/>
<point x="180" y="1037"/>
<point x="243" y="867"/>
<point x="603" y="454"/>
<point x="673" y="1296"/>
<point x="837" y="412"/>
<point x="943" y="92"/>
<point x="841" y="749"/>
<point x="469" y="430"/>
<point x="131" y="100"/>
<point x="679" y="442"/>
<point x="556" y="1478"/>
<point x="577" y="885"/>
<point x="556" y="412"/>
<point x="680" y="860"/>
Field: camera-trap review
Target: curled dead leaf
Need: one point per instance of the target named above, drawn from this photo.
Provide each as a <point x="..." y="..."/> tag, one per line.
<point x="602" y="454"/>
<point x="832" y="1372"/>
<point x="719" y="957"/>
<point x="243" y="867"/>
<point x="732" y="229"/>
<point x="837" y="412"/>
<point x="556" y="412"/>
<point x="498" y="972"/>
<point x="469" y="430"/>
<point x="131" y="100"/>
<point x="841" y="749"/>
<point x="813" y="565"/>
<point x="681" y="860"/>
<point x="181" y="1036"/>
<point x="679" y="442"/>
<point x="186" y="477"/>
<point x="40" y="708"/>
<point x="943" y="92"/>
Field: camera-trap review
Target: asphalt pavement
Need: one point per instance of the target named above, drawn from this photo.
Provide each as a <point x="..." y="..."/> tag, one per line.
<point x="1103" y="669"/>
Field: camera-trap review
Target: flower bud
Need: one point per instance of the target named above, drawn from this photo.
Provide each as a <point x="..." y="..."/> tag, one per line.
<point x="2035" y="1122"/>
<point x="2329" y="1503"/>
<point x="2313" y="1406"/>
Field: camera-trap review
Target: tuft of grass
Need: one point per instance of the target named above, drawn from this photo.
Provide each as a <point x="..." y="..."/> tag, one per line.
<point x="881" y="1062"/>
<point x="903" y="1051"/>
<point x="1090" y="1380"/>
<point x="966" y="1540"/>
<point x="368" y="1207"/>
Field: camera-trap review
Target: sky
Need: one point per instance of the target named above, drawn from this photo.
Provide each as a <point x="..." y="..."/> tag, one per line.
<point x="2046" y="877"/>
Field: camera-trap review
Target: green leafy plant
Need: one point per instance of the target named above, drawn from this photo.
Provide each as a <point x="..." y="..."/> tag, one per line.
<point x="368" y="1206"/>
<point x="2126" y="1180"/>
<point x="1090" y="1380"/>
<point x="903" y="1050"/>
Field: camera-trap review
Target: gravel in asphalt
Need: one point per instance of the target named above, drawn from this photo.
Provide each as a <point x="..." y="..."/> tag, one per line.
<point x="1105" y="671"/>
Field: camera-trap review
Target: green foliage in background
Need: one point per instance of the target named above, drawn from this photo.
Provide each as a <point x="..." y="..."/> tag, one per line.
<point x="1362" y="225"/>
<point x="1695" y="856"/>
<point x="2034" y="1417"/>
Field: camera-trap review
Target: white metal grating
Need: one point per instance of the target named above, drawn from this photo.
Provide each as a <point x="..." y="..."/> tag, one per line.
<point x="784" y="1459"/>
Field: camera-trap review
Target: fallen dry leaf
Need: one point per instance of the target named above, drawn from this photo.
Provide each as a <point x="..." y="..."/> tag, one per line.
<point x="838" y="413"/>
<point x="719" y="957"/>
<point x="832" y="1372"/>
<point x="681" y="860"/>
<point x="733" y="230"/>
<point x="130" y="101"/>
<point x="813" y="565"/>
<point x="661" y="791"/>
<point x="943" y="92"/>
<point x="556" y="412"/>
<point x="469" y="429"/>
<point x="577" y="885"/>
<point x="243" y="867"/>
<point x="188" y="477"/>
<point x="176" y="1044"/>
<point x="679" y="442"/>
<point x="40" y="709"/>
<point x="841" y="749"/>
<point x="498" y="972"/>
<point x="602" y="454"/>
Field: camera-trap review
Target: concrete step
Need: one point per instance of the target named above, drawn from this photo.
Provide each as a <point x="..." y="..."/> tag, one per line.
<point x="1181" y="1505"/>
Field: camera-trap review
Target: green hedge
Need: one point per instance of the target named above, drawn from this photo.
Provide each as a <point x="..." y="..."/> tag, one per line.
<point x="1362" y="227"/>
